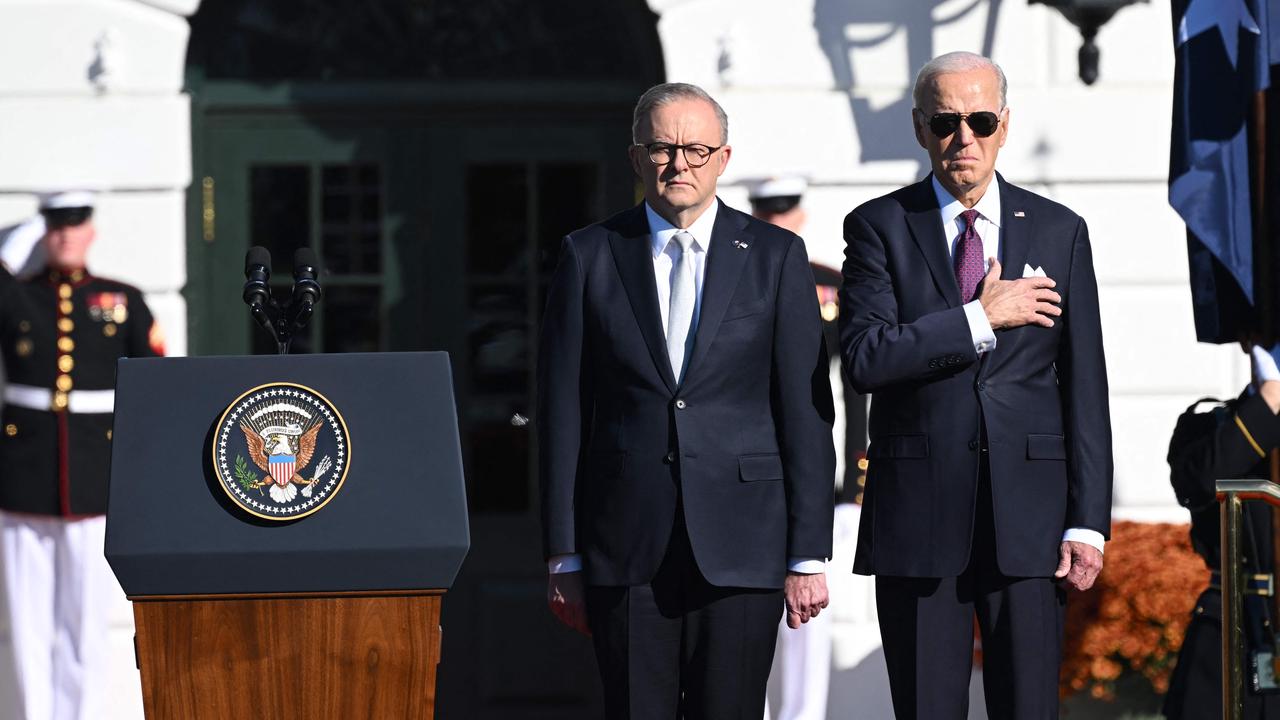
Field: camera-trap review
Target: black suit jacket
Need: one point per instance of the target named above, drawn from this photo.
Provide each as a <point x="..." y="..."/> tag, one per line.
<point x="1039" y="398"/>
<point x="743" y="446"/>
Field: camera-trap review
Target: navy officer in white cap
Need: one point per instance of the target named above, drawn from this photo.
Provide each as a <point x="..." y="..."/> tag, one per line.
<point x="61" y="331"/>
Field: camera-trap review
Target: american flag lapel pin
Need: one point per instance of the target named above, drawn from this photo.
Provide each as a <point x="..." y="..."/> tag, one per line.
<point x="1019" y="213"/>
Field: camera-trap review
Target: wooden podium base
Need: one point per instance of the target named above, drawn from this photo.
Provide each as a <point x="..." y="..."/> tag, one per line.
<point x="289" y="656"/>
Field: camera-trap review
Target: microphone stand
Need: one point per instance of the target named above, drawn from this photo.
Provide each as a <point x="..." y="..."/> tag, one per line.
<point x="281" y="321"/>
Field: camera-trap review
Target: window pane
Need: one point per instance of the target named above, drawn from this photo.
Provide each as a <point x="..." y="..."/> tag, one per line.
<point x="497" y="218"/>
<point x="352" y="319"/>
<point x="351" y="212"/>
<point x="280" y="211"/>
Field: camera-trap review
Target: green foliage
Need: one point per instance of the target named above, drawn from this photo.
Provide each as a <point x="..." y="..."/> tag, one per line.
<point x="247" y="479"/>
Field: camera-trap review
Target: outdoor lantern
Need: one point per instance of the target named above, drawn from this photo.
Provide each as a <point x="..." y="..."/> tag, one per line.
<point x="1088" y="15"/>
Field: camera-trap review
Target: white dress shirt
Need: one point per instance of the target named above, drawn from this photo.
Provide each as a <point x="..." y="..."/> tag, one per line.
<point x="984" y="338"/>
<point x="665" y="253"/>
<point x="988" y="227"/>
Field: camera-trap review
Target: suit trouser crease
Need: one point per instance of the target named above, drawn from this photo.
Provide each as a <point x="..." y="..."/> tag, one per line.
<point x="927" y="629"/>
<point x="680" y="647"/>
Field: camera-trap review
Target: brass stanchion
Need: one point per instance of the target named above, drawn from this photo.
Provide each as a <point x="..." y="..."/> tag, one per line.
<point x="1232" y="610"/>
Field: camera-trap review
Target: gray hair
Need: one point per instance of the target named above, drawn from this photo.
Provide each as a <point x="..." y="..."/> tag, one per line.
<point x="955" y="62"/>
<point x="666" y="93"/>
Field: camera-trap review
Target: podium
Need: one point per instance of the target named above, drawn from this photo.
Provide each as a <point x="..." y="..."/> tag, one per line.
<point x="286" y="527"/>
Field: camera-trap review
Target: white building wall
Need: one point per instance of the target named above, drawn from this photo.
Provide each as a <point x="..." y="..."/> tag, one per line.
<point x="91" y="97"/>
<point x="822" y="88"/>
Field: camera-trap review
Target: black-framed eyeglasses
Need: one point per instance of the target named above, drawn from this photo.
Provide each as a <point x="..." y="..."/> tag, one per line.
<point x="983" y="123"/>
<point x="695" y="154"/>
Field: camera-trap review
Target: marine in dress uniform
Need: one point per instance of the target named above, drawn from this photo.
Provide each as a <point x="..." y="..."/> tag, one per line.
<point x="1230" y="440"/>
<point x="61" y="332"/>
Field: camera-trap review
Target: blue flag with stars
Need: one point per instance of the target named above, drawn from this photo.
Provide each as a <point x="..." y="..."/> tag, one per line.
<point x="1224" y="51"/>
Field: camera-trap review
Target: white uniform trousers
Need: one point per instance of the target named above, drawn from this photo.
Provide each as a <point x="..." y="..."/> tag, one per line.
<point x="804" y="659"/>
<point x="59" y="591"/>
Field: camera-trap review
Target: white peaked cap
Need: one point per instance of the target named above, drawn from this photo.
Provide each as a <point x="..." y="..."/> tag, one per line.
<point x="66" y="199"/>
<point x="782" y="186"/>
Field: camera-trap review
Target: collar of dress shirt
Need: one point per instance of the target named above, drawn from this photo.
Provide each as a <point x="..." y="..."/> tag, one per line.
<point x="988" y="206"/>
<point x="661" y="231"/>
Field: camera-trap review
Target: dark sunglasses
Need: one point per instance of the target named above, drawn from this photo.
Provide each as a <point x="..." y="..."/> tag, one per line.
<point x="983" y="123"/>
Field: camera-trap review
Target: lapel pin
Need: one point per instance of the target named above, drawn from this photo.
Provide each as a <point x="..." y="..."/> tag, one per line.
<point x="740" y="244"/>
<point x="1019" y="213"/>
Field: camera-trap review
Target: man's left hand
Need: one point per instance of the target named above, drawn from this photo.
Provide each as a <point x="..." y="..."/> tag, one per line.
<point x="805" y="595"/>
<point x="1079" y="564"/>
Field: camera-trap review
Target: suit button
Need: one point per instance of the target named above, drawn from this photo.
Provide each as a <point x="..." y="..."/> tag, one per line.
<point x="982" y="385"/>
<point x="680" y="404"/>
<point x="669" y="458"/>
<point x="973" y="444"/>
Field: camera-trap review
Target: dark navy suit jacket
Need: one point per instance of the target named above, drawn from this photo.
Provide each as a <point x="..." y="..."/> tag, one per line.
<point x="742" y="446"/>
<point x="1040" y="397"/>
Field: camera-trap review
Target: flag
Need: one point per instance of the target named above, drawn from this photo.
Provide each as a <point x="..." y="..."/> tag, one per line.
<point x="1224" y="51"/>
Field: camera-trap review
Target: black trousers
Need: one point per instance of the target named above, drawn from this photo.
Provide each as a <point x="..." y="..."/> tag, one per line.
<point x="680" y="647"/>
<point x="927" y="628"/>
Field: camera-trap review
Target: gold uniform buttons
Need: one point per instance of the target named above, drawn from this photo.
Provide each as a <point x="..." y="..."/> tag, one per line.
<point x="65" y="307"/>
<point x="10" y="429"/>
<point x="64" y="383"/>
<point x="65" y="363"/>
<point x="109" y="329"/>
<point x="59" y="401"/>
<point x="66" y="325"/>
<point x="108" y="433"/>
<point x="120" y="313"/>
<point x="24" y="326"/>
<point x="64" y="291"/>
<point x="66" y="344"/>
<point x="23" y="347"/>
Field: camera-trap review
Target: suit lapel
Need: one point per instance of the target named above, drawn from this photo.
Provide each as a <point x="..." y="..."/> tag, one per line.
<point x="926" y="229"/>
<point x="633" y="256"/>
<point x="1015" y="246"/>
<point x="1015" y="231"/>
<point x="724" y="266"/>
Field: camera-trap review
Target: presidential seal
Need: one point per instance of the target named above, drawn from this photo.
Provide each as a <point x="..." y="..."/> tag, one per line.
<point x="281" y="451"/>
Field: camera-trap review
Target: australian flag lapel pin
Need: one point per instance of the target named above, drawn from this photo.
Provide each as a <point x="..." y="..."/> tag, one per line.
<point x="740" y="244"/>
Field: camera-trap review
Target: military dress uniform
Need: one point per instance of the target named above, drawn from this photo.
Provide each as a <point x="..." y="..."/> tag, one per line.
<point x="1231" y="440"/>
<point x="60" y="337"/>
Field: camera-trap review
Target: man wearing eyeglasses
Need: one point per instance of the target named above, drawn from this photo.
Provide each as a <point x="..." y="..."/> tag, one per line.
<point x="684" y="426"/>
<point x="970" y="311"/>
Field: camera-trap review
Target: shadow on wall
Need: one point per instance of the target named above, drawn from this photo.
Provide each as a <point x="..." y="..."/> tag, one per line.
<point x="880" y="128"/>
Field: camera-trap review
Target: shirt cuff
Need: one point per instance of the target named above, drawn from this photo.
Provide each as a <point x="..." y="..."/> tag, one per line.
<point x="1086" y="536"/>
<point x="564" y="563"/>
<point x="984" y="338"/>
<point x="806" y="566"/>
<point x="1264" y="365"/>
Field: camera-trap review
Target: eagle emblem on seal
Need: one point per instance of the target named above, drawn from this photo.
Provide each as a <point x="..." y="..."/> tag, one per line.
<point x="283" y="448"/>
<point x="296" y="446"/>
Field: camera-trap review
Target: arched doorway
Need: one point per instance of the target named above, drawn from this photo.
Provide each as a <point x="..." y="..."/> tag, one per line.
<point x="433" y="154"/>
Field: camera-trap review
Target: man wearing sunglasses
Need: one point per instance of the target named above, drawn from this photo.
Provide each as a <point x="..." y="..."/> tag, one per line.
<point x="970" y="311"/>
<point x="684" y="426"/>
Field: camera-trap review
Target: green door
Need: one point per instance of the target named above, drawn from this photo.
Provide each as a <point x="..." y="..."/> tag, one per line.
<point x="433" y="235"/>
<point x="283" y="184"/>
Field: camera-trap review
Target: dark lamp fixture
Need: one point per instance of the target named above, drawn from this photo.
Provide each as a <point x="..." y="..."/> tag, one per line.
<point x="1088" y="15"/>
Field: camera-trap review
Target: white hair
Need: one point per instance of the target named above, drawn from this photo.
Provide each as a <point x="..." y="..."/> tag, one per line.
<point x="660" y="95"/>
<point x="955" y="62"/>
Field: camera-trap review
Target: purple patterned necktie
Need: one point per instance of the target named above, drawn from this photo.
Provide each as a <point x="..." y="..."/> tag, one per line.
<point x="968" y="258"/>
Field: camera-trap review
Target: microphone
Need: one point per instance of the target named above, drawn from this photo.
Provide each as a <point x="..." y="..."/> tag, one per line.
<point x="257" y="273"/>
<point x="257" y="293"/>
<point x="306" y="288"/>
<point x="306" y="291"/>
